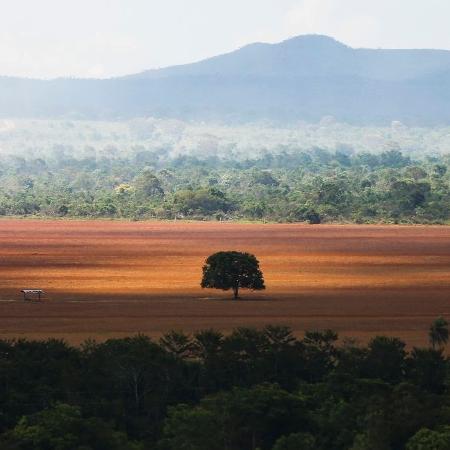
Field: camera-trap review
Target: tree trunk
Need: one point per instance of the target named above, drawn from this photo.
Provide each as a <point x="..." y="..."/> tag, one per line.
<point x="236" y="292"/>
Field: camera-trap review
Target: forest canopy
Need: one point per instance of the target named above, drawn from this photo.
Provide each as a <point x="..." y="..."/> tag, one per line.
<point x="252" y="388"/>
<point x="154" y="169"/>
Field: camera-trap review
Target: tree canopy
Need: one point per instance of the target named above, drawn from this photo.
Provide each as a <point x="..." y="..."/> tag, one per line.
<point x="315" y="186"/>
<point x="264" y="389"/>
<point x="232" y="270"/>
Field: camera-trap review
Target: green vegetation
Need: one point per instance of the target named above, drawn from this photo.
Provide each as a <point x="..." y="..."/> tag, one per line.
<point x="165" y="169"/>
<point x="251" y="389"/>
<point x="232" y="270"/>
<point x="297" y="186"/>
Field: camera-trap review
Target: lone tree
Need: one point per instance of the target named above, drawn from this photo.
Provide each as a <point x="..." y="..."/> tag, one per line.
<point x="232" y="270"/>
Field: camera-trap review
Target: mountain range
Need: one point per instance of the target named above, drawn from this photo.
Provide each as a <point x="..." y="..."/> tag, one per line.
<point x="303" y="78"/>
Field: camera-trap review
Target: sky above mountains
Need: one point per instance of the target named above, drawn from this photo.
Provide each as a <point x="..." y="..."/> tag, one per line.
<point x="104" y="38"/>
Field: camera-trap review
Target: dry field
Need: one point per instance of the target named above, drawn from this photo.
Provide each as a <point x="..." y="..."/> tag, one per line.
<point x="111" y="278"/>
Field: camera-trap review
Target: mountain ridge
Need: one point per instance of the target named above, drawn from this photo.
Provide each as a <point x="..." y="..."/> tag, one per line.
<point x="304" y="46"/>
<point x="302" y="78"/>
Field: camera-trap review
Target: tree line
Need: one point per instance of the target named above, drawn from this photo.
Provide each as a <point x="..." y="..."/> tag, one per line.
<point x="297" y="186"/>
<point x="251" y="389"/>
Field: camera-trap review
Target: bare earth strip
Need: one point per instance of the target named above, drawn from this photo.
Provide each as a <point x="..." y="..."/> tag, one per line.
<point x="111" y="278"/>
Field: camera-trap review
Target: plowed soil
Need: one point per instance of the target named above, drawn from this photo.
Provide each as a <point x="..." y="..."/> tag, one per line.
<point x="109" y="278"/>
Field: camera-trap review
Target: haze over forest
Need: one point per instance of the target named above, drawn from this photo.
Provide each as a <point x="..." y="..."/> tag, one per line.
<point x="306" y="130"/>
<point x="300" y="79"/>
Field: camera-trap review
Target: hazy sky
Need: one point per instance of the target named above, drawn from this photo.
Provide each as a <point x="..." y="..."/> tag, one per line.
<point x="101" y="38"/>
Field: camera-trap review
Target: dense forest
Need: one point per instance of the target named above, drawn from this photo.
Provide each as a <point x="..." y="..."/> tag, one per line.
<point x="252" y="389"/>
<point x="150" y="168"/>
<point x="312" y="186"/>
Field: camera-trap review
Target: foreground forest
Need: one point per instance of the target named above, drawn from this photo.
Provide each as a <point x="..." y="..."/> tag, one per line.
<point x="252" y="389"/>
<point x="290" y="186"/>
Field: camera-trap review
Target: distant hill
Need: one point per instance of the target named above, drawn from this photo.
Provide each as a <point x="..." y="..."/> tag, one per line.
<point x="304" y="78"/>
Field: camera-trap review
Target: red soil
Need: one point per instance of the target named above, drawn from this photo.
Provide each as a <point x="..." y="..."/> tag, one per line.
<point x="106" y="279"/>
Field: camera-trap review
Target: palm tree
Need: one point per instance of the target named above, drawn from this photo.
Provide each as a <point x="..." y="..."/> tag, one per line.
<point x="438" y="333"/>
<point x="177" y="343"/>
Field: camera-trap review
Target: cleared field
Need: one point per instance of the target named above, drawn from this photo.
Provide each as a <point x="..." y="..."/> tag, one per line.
<point x="107" y="279"/>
